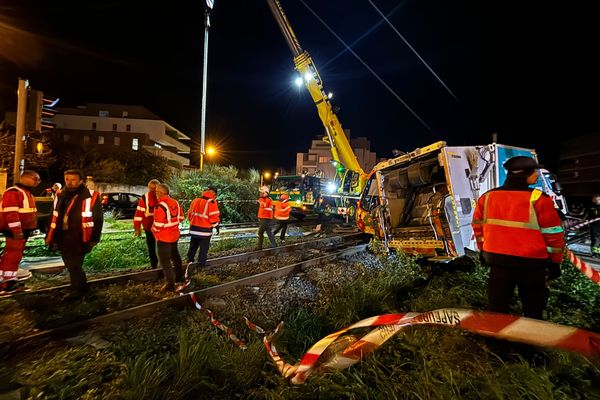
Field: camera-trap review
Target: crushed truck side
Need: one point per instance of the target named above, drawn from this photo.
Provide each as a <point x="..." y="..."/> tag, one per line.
<point x="423" y="202"/>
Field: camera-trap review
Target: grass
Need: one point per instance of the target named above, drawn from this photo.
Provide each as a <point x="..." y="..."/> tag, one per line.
<point x="181" y="356"/>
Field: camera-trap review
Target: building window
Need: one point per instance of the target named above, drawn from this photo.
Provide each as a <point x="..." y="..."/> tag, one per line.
<point x="312" y="157"/>
<point x="135" y="143"/>
<point x="117" y="141"/>
<point x="86" y="139"/>
<point x="114" y="127"/>
<point x="125" y="114"/>
<point x="100" y="139"/>
<point x="128" y="127"/>
<point x="66" y="138"/>
<point x="93" y="126"/>
<point x="323" y="160"/>
<point x="103" y="113"/>
<point x="158" y="146"/>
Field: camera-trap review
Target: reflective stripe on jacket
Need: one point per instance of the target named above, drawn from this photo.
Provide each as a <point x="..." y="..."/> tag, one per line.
<point x="282" y="210"/>
<point x="265" y="208"/>
<point x="167" y="216"/>
<point x="518" y="223"/>
<point x="204" y="215"/>
<point x="144" y="214"/>
<point x="17" y="210"/>
<point x="87" y="218"/>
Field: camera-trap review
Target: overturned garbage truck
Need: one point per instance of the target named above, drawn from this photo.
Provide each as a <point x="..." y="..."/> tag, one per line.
<point x="422" y="202"/>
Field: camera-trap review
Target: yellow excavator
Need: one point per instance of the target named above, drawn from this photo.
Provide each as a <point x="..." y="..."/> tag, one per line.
<point x="340" y="198"/>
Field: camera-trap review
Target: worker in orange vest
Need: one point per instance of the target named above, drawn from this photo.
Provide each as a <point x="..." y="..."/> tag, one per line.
<point x="18" y="218"/>
<point x="204" y="216"/>
<point x="282" y="215"/>
<point x="520" y="235"/>
<point x="265" y="215"/>
<point x="76" y="226"/>
<point x="144" y="217"/>
<point x="167" y="216"/>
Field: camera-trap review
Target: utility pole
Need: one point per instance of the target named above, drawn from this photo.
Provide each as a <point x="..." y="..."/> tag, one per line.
<point x="20" y="135"/>
<point x="209" y="6"/>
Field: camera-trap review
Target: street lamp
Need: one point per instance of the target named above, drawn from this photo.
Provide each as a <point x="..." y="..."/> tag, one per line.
<point x="263" y="176"/>
<point x="211" y="151"/>
<point x="209" y="6"/>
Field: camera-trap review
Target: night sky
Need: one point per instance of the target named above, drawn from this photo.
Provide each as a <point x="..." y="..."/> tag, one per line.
<point x="528" y="70"/>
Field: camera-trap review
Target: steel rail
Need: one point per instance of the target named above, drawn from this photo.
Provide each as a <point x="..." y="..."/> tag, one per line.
<point x="178" y="302"/>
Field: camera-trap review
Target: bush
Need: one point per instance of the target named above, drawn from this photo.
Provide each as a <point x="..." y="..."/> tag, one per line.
<point x="237" y="191"/>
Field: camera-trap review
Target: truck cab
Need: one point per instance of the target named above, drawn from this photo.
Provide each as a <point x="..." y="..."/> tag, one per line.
<point x="304" y="191"/>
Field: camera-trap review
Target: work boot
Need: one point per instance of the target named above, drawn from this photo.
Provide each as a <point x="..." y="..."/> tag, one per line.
<point x="11" y="287"/>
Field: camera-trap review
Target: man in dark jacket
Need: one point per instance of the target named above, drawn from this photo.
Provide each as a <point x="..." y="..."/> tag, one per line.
<point x="76" y="226"/>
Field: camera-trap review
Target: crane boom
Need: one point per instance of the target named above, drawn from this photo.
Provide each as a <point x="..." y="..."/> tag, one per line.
<point x="341" y="149"/>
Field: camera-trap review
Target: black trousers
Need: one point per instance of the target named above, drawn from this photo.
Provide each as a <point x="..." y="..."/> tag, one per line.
<point x="170" y="261"/>
<point x="151" y="243"/>
<point x="531" y="282"/>
<point x="199" y="241"/>
<point x="264" y="226"/>
<point x="595" y="233"/>
<point x="282" y="225"/>
<point x="73" y="255"/>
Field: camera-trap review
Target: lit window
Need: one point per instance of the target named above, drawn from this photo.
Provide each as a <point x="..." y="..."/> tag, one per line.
<point x="128" y="128"/>
<point x="100" y="139"/>
<point x="103" y="113"/>
<point x="114" y="127"/>
<point x="158" y="146"/>
<point x="117" y="141"/>
<point x="323" y="160"/>
<point x="134" y="143"/>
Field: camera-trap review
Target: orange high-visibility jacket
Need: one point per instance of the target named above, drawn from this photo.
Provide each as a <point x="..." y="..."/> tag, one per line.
<point x="283" y="209"/>
<point x="522" y="223"/>
<point x="144" y="214"/>
<point x="204" y="215"/>
<point x="265" y="208"/>
<point x="18" y="212"/>
<point x="167" y="216"/>
<point x="88" y="204"/>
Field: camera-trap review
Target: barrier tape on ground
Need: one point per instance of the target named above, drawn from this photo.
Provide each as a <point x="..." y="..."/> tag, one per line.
<point x="340" y="350"/>
<point x="217" y="324"/>
<point x="583" y="224"/>
<point x="583" y="267"/>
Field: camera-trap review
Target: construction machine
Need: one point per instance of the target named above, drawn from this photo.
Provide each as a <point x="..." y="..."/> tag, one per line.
<point x="422" y="202"/>
<point x="350" y="178"/>
<point x="304" y="191"/>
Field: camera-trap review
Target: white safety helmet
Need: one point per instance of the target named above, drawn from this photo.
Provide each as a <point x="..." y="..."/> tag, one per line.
<point x="264" y="189"/>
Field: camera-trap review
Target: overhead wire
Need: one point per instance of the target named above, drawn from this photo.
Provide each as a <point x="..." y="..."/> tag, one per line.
<point x="412" y="49"/>
<point x="366" y="66"/>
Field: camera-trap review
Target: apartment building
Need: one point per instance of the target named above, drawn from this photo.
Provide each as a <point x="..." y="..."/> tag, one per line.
<point x="111" y="126"/>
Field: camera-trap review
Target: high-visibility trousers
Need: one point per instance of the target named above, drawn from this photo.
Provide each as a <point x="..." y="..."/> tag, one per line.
<point x="10" y="259"/>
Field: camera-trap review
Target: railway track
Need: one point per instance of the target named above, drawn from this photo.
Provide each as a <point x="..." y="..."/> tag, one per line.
<point x="330" y="248"/>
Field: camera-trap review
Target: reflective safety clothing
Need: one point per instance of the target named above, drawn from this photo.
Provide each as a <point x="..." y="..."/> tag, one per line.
<point x="265" y="208"/>
<point x="520" y="223"/>
<point x="283" y="208"/>
<point x="89" y="200"/>
<point x="144" y="214"/>
<point x="18" y="212"/>
<point x="18" y="217"/>
<point x="167" y="217"/>
<point x="204" y="215"/>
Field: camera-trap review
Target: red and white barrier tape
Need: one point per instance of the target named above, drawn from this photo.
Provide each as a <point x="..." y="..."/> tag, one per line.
<point x="217" y="324"/>
<point x="585" y="269"/>
<point x="581" y="225"/>
<point x="350" y="349"/>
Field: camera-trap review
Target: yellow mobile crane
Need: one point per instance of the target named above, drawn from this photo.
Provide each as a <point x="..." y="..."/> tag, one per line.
<point x="350" y="177"/>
